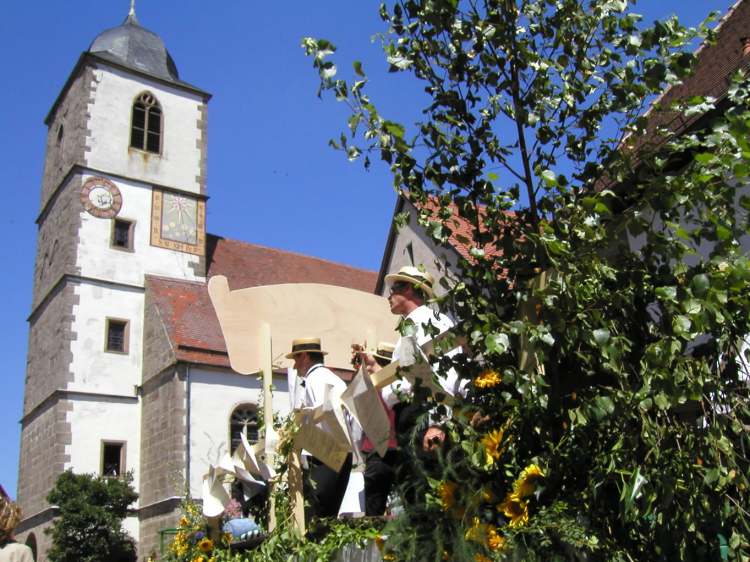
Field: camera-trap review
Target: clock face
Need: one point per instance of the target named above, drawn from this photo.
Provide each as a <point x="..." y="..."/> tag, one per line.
<point x="101" y="198"/>
<point x="178" y="222"/>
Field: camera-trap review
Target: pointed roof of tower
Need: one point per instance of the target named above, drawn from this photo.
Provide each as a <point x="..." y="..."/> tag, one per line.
<point x="134" y="46"/>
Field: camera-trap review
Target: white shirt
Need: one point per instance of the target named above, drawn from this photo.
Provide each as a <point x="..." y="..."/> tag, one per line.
<point x="421" y="317"/>
<point x="16" y="552"/>
<point x="316" y="379"/>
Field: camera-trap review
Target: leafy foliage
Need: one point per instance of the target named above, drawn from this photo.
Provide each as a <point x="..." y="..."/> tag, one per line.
<point x="89" y="526"/>
<point x="606" y="285"/>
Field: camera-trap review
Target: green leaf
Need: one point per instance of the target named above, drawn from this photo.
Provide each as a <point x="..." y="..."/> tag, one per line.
<point x="496" y="343"/>
<point x="358" y="68"/>
<point x="667" y="293"/>
<point x="549" y="178"/>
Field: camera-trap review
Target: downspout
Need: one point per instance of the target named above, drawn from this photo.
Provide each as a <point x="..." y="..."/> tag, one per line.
<point x="187" y="429"/>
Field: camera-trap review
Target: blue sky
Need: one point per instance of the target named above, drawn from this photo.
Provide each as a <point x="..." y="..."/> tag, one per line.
<point x="272" y="179"/>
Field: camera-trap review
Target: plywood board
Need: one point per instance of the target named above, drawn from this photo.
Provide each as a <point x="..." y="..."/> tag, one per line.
<point x="337" y="315"/>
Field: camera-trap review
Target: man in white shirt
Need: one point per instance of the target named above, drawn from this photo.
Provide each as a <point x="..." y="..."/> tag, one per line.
<point x="410" y="289"/>
<point x="324" y="488"/>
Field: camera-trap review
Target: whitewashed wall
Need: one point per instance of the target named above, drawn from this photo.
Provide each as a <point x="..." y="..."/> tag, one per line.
<point x="214" y="395"/>
<point x="98" y="260"/>
<point x="113" y="95"/>
<point x="95" y="369"/>
<point x="94" y="420"/>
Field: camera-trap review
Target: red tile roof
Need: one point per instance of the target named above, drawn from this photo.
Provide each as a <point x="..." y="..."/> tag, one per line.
<point x="715" y="65"/>
<point x="185" y="307"/>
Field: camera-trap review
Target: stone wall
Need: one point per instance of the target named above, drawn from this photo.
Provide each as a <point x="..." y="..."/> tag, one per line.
<point x="57" y="240"/>
<point x="153" y="523"/>
<point x="43" y="541"/>
<point x="49" y="353"/>
<point x="68" y="132"/>
<point x="45" y="435"/>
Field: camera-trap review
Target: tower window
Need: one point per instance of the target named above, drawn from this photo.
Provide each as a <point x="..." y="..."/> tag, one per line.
<point x="244" y="421"/>
<point x="113" y="458"/>
<point x="145" y="130"/>
<point x="117" y="336"/>
<point x="122" y="234"/>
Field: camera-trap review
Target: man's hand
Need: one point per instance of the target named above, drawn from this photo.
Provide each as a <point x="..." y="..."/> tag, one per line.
<point x="363" y="358"/>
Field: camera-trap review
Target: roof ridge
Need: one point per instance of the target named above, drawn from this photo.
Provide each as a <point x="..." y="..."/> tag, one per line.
<point x="293" y="253"/>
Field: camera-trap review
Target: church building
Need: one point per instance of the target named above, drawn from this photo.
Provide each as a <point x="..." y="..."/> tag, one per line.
<point x="127" y="368"/>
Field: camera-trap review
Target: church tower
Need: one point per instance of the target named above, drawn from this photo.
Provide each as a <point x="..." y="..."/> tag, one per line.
<point x="123" y="196"/>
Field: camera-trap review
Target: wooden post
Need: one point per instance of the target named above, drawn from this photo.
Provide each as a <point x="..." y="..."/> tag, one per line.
<point x="294" y="469"/>
<point x="267" y="370"/>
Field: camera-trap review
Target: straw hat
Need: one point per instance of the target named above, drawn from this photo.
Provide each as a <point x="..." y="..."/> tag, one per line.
<point x="410" y="274"/>
<point x="384" y="351"/>
<point x="10" y="515"/>
<point x="305" y="345"/>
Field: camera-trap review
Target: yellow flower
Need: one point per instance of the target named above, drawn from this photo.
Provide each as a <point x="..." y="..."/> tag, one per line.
<point x="206" y="545"/>
<point x="198" y="559"/>
<point x="478" y="557"/>
<point x="526" y="483"/>
<point x="380" y="542"/>
<point x="389" y="557"/>
<point x="447" y="491"/>
<point x="493" y="445"/>
<point x="488" y="496"/>
<point x="488" y="379"/>
<point x="184" y="521"/>
<point x="515" y="509"/>
<point x="495" y="541"/>
<point x="476" y="531"/>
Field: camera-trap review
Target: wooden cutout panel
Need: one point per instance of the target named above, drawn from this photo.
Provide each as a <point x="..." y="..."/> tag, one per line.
<point x="339" y="316"/>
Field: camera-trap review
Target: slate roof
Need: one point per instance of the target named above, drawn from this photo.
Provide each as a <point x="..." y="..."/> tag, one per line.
<point x="136" y="47"/>
<point x="185" y="308"/>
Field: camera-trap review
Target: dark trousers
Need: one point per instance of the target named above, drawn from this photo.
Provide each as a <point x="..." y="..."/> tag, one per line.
<point x="324" y="488"/>
<point x="380" y="475"/>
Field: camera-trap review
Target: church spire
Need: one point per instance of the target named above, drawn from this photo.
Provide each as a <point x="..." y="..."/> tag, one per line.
<point x="131" y="14"/>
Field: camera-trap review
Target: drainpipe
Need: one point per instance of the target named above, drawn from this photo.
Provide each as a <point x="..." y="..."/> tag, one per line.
<point x="187" y="428"/>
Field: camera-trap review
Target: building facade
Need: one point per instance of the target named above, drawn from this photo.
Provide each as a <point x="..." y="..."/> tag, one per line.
<point x="127" y="369"/>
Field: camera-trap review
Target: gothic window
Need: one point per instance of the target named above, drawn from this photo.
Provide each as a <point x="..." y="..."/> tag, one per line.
<point x="244" y="421"/>
<point x="146" y="125"/>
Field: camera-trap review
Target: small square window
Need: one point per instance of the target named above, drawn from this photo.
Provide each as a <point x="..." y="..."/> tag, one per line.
<point x="122" y="234"/>
<point x="113" y="458"/>
<point x="117" y="335"/>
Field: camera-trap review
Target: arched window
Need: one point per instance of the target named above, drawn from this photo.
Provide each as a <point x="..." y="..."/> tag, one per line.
<point x="31" y="543"/>
<point x="145" y="130"/>
<point x="244" y="421"/>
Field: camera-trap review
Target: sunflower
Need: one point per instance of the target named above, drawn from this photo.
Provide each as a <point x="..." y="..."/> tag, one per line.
<point x="447" y="491"/>
<point x="492" y="442"/>
<point x="184" y="521"/>
<point x="479" y="557"/>
<point x="487" y="379"/>
<point x="526" y="483"/>
<point x="495" y="541"/>
<point x="515" y="509"/>
<point x="206" y="545"/>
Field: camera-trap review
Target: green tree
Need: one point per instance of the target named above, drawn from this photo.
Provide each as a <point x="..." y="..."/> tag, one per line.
<point x="89" y="525"/>
<point x="614" y="420"/>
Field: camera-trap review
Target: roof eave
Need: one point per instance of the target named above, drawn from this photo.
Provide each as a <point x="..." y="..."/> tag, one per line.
<point x="87" y="57"/>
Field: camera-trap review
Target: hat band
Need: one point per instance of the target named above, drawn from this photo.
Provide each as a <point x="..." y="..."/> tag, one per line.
<point x="418" y="280"/>
<point x="305" y="347"/>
